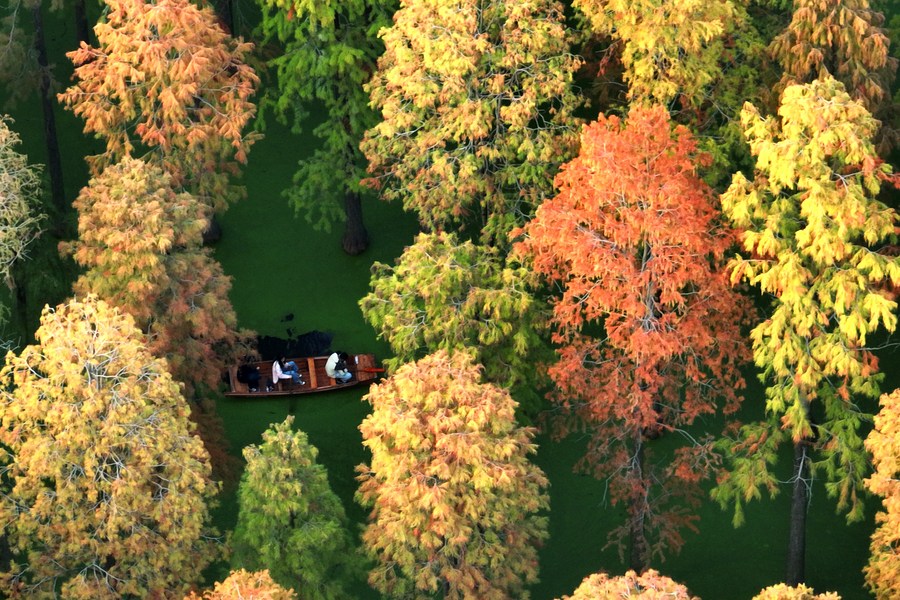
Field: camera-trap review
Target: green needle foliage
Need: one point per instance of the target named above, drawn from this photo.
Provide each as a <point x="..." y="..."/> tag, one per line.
<point x="290" y="522"/>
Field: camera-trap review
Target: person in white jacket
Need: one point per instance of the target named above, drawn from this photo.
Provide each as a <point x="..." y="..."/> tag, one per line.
<point x="285" y="370"/>
<point x="336" y="367"/>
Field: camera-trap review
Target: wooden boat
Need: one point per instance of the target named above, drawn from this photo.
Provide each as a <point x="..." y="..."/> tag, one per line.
<point x="312" y="369"/>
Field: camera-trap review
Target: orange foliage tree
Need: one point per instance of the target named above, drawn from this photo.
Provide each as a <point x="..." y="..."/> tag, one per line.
<point x="650" y="585"/>
<point x="245" y="585"/>
<point x="141" y="243"/>
<point x="106" y="494"/>
<point x="634" y="242"/>
<point x="812" y="233"/>
<point x="883" y="570"/>
<point x="840" y="38"/>
<point x="453" y="495"/>
<point x="167" y="83"/>
<point x="476" y="101"/>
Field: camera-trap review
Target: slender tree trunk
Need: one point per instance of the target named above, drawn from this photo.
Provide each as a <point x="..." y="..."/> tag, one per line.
<point x="640" y="552"/>
<point x="82" y="30"/>
<point x="54" y="163"/>
<point x="796" y="557"/>
<point x="356" y="238"/>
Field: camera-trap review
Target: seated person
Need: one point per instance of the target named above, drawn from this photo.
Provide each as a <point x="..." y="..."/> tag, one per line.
<point x="285" y="370"/>
<point x="336" y="367"/>
<point x="249" y="374"/>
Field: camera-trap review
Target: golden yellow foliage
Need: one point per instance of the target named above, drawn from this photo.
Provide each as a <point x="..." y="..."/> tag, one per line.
<point x="454" y="499"/>
<point x="108" y="491"/>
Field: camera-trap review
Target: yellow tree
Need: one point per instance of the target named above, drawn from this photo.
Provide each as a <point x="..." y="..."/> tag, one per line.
<point x="668" y="50"/>
<point x="167" y="83"/>
<point x="476" y="102"/>
<point x="20" y="186"/>
<point x="883" y="570"/>
<point x="800" y="592"/>
<point x="811" y="232"/>
<point x="650" y="585"/>
<point x="244" y="585"/>
<point x="141" y="243"/>
<point x="107" y="492"/>
<point x="454" y="498"/>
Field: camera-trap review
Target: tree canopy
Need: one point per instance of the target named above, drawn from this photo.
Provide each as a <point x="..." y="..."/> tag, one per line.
<point x="168" y="84"/>
<point x="454" y="499"/>
<point x="108" y="491"/>
<point x="477" y="104"/>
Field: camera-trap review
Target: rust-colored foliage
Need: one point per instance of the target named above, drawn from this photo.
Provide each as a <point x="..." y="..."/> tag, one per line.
<point x="841" y="38"/>
<point x="883" y="570"/>
<point x="167" y="83"/>
<point x="647" y="323"/>
<point x="141" y="243"/>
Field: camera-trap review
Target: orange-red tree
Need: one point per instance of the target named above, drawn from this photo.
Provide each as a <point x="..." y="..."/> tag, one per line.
<point x="811" y="231"/>
<point x="650" y="585"/>
<point x="454" y="498"/>
<point x="245" y="585"/>
<point x="165" y="82"/>
<point x="883" y="570"/>
<point x="476" y="101"/>
<point x="106" y="493"/>
<point x="633" y="241"/>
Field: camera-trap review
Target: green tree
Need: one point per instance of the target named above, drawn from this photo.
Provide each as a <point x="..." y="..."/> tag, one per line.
<point x="811" y="230"/>
<point x="476" y="99"/>
<point x="107" y="492"/>
<point x="330" y="52"/>
<point x="451" y="295"/>
<point x="883" y="570"/>
<point x="165" y="82"/>
<point x="454" y="498"/>
<point x="290" y="522"/>
<point x="646" y="325"/>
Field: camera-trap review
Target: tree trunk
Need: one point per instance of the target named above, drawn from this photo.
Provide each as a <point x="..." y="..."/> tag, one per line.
<point x="796" y="557"/>
<point x="640" y="552"/>
<point x="54" y="163"/>
<point x="82" y="30"/>
<point x="356" y="238"/>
